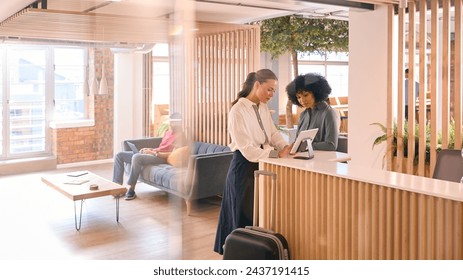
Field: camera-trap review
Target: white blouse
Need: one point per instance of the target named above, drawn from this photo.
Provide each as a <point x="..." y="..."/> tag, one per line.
<point x="247" y="135"/>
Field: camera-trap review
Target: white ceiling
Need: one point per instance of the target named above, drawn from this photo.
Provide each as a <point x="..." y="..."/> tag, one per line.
<point x="132" y="20"/>
<point x="230" y="11"/>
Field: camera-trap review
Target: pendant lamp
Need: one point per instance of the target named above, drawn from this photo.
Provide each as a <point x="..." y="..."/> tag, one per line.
<point x="103" y="83"/>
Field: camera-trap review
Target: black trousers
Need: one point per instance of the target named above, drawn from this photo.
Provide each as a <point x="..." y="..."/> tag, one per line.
<point x="238" y="199"/>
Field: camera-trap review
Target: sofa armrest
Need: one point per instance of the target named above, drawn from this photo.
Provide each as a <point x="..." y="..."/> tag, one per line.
<point x="141" y="143"/>
<point x="208" y="174"/>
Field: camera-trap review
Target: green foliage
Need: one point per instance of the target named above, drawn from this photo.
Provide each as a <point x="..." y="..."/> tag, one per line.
<point x="380" y="139"/>
<point x="292" y="33"/>
<point x="162" y="129"/>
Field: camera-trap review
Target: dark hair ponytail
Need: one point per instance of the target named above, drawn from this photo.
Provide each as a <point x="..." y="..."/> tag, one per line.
<point x="261" y="76"/>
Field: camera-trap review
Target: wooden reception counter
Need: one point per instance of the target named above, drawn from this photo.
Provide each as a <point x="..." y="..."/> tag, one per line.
<point x="332" y="210"/>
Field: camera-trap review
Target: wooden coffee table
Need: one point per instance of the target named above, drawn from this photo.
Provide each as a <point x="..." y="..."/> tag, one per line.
<point x="75" y="192"/>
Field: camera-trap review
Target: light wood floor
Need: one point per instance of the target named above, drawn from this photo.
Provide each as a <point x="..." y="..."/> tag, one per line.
<point x="38" y="223"/>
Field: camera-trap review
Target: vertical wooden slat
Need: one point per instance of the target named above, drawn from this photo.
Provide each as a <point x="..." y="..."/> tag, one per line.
<point x="355" y="254"/>
<point x="423" y="41"/>
<point x="207" y="99"/>
<point x="422" y="222"/>
<point x="445" y="73"/>
<point x="433" y="81"/>
<point x="411" y="86"/>
<point x="397" y="225"/>
<point x="448" y="224"/>
<point x="223" y="89"/>
<point x="330" y="218"/>
<point x="349" y="217"/>
<point x="440" y="227"/>
<point x="413" y="226"/>
<point x="337" y="217"/>
<point x="201" y="91"/>
<point x="389" y="244"/>
<point x="389" y="110"/>
<point x="458" y="88"/>
<point x="405" y="226"/>
<point x="431" y="228"/>
<point x="400" y="102"/>
<point x="324" y="215"/>
<point x="375" y="224"/>
<point x="361" y="222"/>
<point x="458" y="233"/>
<point x="226" y="86"/>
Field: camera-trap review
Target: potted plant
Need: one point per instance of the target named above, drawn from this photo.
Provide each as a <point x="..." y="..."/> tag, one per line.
<point x="380" y="139"/>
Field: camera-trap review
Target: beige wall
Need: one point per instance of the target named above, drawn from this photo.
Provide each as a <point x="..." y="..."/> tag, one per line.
<point x="127" y="98"/>
<point x="367" y="84"/>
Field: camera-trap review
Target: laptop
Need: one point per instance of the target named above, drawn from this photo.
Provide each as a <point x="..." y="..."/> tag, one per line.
<point x="133" y="147"/>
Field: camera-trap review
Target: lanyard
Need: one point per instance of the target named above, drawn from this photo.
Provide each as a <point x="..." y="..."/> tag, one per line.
<point x="260" y="123"/>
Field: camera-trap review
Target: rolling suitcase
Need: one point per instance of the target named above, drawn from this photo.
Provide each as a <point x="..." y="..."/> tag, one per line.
<point x="253" y="242"/>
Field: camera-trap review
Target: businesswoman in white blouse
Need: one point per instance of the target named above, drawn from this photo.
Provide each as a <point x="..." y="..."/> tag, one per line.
<point x="253" y="136"/>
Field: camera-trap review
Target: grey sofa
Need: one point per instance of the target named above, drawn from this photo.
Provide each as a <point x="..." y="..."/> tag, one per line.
<point x="204" y="176"/>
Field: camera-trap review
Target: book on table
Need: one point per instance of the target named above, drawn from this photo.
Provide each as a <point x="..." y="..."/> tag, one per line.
<point x="77" y="181"/>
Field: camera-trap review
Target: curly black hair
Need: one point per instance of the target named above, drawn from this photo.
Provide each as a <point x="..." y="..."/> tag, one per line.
<point x="315" y="83"/>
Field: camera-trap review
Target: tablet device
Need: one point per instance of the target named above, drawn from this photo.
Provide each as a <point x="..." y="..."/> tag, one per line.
<point x="133" y="147"/>
<point x="303" y="135"/>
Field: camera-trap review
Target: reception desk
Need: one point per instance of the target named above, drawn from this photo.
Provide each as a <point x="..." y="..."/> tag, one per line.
<point x="332" y="210"/>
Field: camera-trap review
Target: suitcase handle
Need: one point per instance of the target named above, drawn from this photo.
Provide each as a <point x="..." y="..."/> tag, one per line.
<point x="272" y="197"/>
<point x="260" y="229"/>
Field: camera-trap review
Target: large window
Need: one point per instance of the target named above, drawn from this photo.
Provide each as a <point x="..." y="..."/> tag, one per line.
<point x="161" y="87"/>
<point x="161" y="74"/>
<point x="70" y="85"/>
<point x="38" y="84"/>
<point x="26" y="103"/>
<point x="334" y="66"/>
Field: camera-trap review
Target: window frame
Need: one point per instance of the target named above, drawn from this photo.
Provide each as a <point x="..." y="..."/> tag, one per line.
<point x="49" y="98"/>
<point x="304" y="59"/>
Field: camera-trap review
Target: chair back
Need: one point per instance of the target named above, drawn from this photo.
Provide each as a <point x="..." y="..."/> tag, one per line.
<point x="342" y="144"/>
<point x="449" y="166"/>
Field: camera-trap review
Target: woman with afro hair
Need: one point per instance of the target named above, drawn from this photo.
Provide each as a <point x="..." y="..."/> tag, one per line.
<point x="310" y="91"/>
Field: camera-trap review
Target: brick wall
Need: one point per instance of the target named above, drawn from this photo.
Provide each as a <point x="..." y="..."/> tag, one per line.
<point x="79" y="144"/>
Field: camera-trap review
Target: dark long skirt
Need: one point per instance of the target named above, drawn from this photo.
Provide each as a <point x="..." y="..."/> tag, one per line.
<point x="238" y="199"/>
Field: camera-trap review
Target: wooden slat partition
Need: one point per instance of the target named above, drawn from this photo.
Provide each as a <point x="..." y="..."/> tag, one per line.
<point x="330" y="217"/>
<point x="439" y="75"/>
<point x="221" y="61"/>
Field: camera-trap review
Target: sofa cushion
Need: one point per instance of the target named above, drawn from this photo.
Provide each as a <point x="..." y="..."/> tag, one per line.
<point x="200" y="148"/>
<point x="179" y="157"/>
<point x="165" y="175"/>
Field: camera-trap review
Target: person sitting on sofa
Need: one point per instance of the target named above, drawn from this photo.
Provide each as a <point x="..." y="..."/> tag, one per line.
<point x="172" y="138"/>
